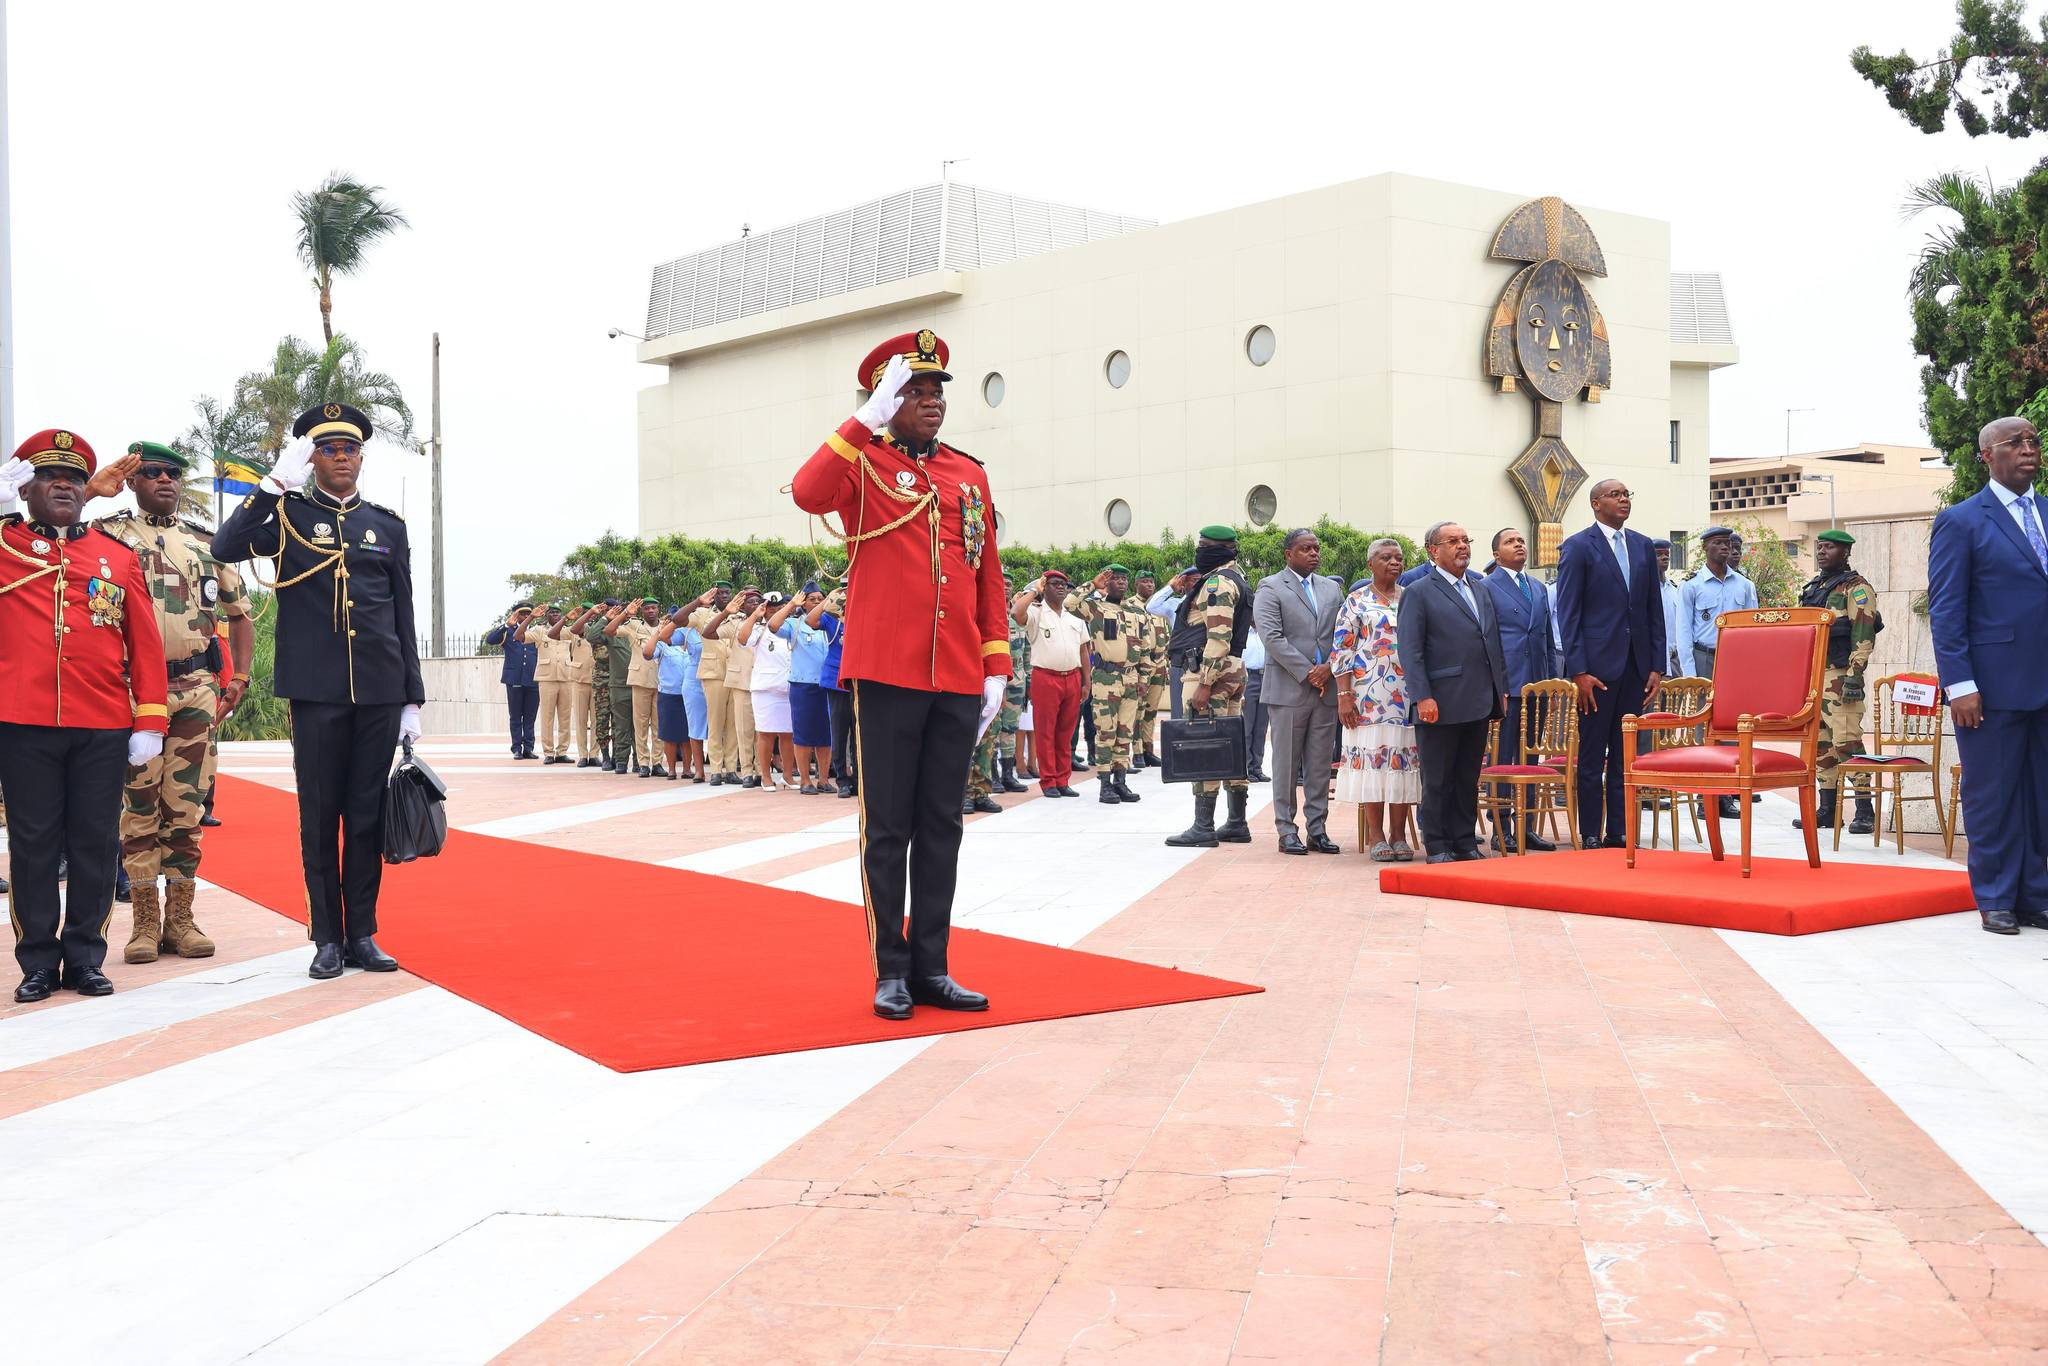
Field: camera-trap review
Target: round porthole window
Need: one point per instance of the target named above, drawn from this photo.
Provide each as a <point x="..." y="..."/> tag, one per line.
<point x="992" y="390"/>
<point x="1117" y="516"/>
<point x="1259" y="344"/>
<point x="1002" y="529"/>
<point x="1117" y="369"/>
<point x="1260" y="505"/>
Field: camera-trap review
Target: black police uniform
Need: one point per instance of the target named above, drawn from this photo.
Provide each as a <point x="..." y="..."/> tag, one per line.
<point x="348" y="661"/>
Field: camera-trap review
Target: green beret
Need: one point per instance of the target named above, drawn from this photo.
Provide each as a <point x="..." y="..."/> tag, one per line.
<point x="1216" y="531"/>
<point x="1838" y="537"/>
<point x="588" y="605"/>
<point x="1115" y="569"/>
<point x="721" y="583"/>
<point x="1145" y="574"/>
<point x="650" y="602"/>
<point x="161" y="454"/>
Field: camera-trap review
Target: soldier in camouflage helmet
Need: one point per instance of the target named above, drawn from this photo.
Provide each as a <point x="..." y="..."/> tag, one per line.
<point x="1117" y="680"/>
<point x="1851" y="638"/>
<point x="1209" y="632"/>
<point x="165" y="798"/>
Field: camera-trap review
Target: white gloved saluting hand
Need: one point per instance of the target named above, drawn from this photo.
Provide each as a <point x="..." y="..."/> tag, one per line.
<point x="409" y="723"/>
<point x="144" y="745"/>
<point x="991" y="702"/>
<point x="14" y="476"/>
<point x="887" y="397"/>
<point x="294" y="466"/>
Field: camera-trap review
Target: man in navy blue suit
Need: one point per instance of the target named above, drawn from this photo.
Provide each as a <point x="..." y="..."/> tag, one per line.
<point x="1612" y="619"/>
<point x="1522" y="604"/>
<point x="1987" y="595"/>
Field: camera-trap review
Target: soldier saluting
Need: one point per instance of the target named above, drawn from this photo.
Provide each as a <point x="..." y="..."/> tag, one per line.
<point x="347" y="660"/>
<point x="166" y="796"/>
<point x="1851" y="639"/>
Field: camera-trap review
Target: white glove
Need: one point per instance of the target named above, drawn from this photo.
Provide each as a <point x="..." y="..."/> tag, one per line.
<point x="887" y="397"/>
<point x="991" y="702"/>
<point x="144" y="745"/>
<point x="14" y="476"/>
<point x="294" y="466"/>
<point x="409" y="723"/>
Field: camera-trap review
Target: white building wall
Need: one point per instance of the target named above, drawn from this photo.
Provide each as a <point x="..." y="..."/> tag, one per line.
<point x="1375" y="409"/>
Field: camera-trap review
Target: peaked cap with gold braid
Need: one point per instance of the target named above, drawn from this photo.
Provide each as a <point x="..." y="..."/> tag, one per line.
<point x="925" y="349"/>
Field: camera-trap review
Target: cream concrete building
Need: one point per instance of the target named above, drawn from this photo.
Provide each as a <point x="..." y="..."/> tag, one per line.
<point x="1798" y="496"/>
<point x="1318" y="354"/>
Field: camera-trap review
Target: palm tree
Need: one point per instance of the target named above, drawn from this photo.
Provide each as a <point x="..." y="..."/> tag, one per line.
<point x="300" y="377"/>
<point x="218" y="434"/>
<point x="337" y="223"/>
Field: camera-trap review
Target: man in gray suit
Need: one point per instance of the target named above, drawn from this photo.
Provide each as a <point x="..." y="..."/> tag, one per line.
<point x="1458" y="680"/>
<point x="1295" y="611"/>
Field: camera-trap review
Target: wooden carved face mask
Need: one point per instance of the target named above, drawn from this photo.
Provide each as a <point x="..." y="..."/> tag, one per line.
<point x="1554" y="337"/>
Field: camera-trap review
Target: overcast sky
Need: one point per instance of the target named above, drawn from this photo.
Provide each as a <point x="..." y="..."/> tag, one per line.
<point x="549" y="156"/>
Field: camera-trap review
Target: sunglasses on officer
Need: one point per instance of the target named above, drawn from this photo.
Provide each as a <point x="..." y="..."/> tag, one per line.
<point x="158" y="472"/>
<point x="335" y="448"/>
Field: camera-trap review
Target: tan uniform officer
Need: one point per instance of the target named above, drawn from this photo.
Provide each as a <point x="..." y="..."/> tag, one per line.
<point x="718" y="737"/>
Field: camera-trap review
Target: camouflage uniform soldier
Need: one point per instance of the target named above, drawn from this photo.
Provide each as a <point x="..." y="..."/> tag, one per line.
<point x="1209" y="632"/>
<point x="1851" y="639"/>
<point x="1153" y="631"/>
<point x="1117" y="680"/>
<point x="165" y="798"/>
<point x="601" y="676"/>
<point x="995" y="756"/>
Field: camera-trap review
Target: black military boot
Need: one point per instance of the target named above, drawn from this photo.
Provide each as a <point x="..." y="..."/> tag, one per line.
<point x="1234" y="830"/>
<point x="1123" y="787"/>
<point x="1010" y="783"/>
<point x="1864" y="820"/>
<point x="1202" y="834"/>
<point x="1108" y="795"/>
<point x="1823" y="812"/>
<point x="985" y="804"/>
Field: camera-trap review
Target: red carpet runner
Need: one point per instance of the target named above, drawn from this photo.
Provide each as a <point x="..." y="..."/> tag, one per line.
<point x="1781" y="896"/>
<point x="636" y="966"/>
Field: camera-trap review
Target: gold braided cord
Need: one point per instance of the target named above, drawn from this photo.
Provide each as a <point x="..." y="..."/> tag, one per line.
<point x="919" y="502"/>
<point x="43" y="568"/>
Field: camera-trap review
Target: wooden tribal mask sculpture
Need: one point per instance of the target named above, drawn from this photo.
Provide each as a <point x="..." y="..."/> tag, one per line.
<point x="1548" y="337"/>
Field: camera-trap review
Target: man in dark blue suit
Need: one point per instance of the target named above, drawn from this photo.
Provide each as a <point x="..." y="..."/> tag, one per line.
<point x="1612" y="619"/>
<point x="1522" y="604"/>
<point x="1987" y="595"/>
<point x="522" y="694"/>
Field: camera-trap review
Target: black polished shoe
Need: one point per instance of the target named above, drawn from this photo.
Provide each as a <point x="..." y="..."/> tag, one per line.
<point x="1081" y="765"/>
<point x="326" y="962"/>
<point x="5" y="886"/>
<point x="2000" y="922"/>
<point x="1323" y="844"/>
<point x="892" y="998"/>
<point x="750" y="781"/>
<point x="1467" y="855"/>
<point x="1257" y="775"/>
<point x="209" y="821"/>
<point x="1731" y="807"/>
<point x="1591" y="843"/>
<point x="87" y="981"/>
<point x="36" y="986"/>
<point x="845" y="789"/>
<point x="1539" y="844"/>
<point x="946" y="994"/>
<point x="1441" y="858"/>
<point x="1066" y="791"/>
<point x="1291" y="844"/>
<point x="2033" y="920"/>
<point x="363" y="953"/>
<point x="986" y="805"/>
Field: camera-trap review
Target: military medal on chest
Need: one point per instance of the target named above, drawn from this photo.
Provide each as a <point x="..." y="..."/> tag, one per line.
<point x="973" y="524"/>
<point x="1547" y="335"/>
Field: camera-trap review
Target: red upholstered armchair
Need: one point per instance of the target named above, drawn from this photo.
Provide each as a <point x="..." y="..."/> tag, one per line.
<point x="1767" y="674"/>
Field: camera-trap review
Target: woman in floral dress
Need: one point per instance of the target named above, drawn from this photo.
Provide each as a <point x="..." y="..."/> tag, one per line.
<point x="1379" y="767"/>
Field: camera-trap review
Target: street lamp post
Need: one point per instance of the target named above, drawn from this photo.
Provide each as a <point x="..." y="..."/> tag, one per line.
<point x="1788" y="426"/>
<point x="1829" y="480"/>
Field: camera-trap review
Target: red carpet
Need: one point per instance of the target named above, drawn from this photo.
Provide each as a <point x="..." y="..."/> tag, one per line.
<point x="1781" y="896"/>
<point x="636" y="966"/>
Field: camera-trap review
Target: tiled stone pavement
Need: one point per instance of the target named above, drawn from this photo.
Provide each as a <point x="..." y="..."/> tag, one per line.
<point x="1444" y="1133"/>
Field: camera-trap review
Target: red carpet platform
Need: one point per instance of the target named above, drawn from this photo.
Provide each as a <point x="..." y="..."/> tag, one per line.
<point x="636" y="966"/>
<point x="1782" y="896"/>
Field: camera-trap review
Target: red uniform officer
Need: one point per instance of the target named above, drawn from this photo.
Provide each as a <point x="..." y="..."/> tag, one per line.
<point x="82" y="696"/>
<point x="927" y="651"/>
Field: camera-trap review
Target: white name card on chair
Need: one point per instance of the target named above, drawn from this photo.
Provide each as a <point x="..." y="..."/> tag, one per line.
<point x="1915" y="693"/>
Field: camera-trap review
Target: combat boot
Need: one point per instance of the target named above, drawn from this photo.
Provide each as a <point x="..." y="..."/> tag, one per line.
<point x="148" y="931"/>
<point x="1202" y="834"/>
<point x="1234" y="830"/>
<point x="1823" y="812"/>
<point x="1122" y="785"/>
<point x="181" y="936"/>
<point x="1865" y="820"/>
<point x="1010" y="783"/>
<point x="1108" y="795"/>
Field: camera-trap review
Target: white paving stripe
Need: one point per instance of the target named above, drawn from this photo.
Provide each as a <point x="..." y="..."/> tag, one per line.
<point x="562" y="817"/>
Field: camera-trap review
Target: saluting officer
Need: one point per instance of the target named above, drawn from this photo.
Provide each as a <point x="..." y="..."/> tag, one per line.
<point x="347" y="660"/>
<point x="82" y="696"/>
<point x="927" y="649"/>
<point x="1116" y="684"/>
<point x="166" y="797"/>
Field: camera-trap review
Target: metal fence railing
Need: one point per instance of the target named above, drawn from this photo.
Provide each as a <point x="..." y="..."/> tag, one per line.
<point x="459" y="646"/>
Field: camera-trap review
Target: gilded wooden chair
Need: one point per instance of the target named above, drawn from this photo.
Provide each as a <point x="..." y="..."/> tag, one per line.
<point x="1767" y="673"/>
<point x="1547" y="763"/>
<point x="1682" y="697"/>
<point x="1955" y="801"/>
<point x="1894" y="731"/>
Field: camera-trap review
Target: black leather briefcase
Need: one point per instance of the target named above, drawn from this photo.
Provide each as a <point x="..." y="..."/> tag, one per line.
<point x="1202" y="749"/>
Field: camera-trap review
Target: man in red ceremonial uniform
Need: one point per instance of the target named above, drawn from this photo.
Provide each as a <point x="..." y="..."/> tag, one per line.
<point x="927" y="652"/>
<point x="79" y="632"/>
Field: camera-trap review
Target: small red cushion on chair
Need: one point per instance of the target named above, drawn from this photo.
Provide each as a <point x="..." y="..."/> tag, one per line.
<point x="1518" y="771"/>
<point x="1716" y="759"/>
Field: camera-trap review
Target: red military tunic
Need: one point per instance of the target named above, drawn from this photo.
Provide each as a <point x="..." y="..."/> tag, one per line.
<point x="925" y="604"/>
<point x="72" y="613"/>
